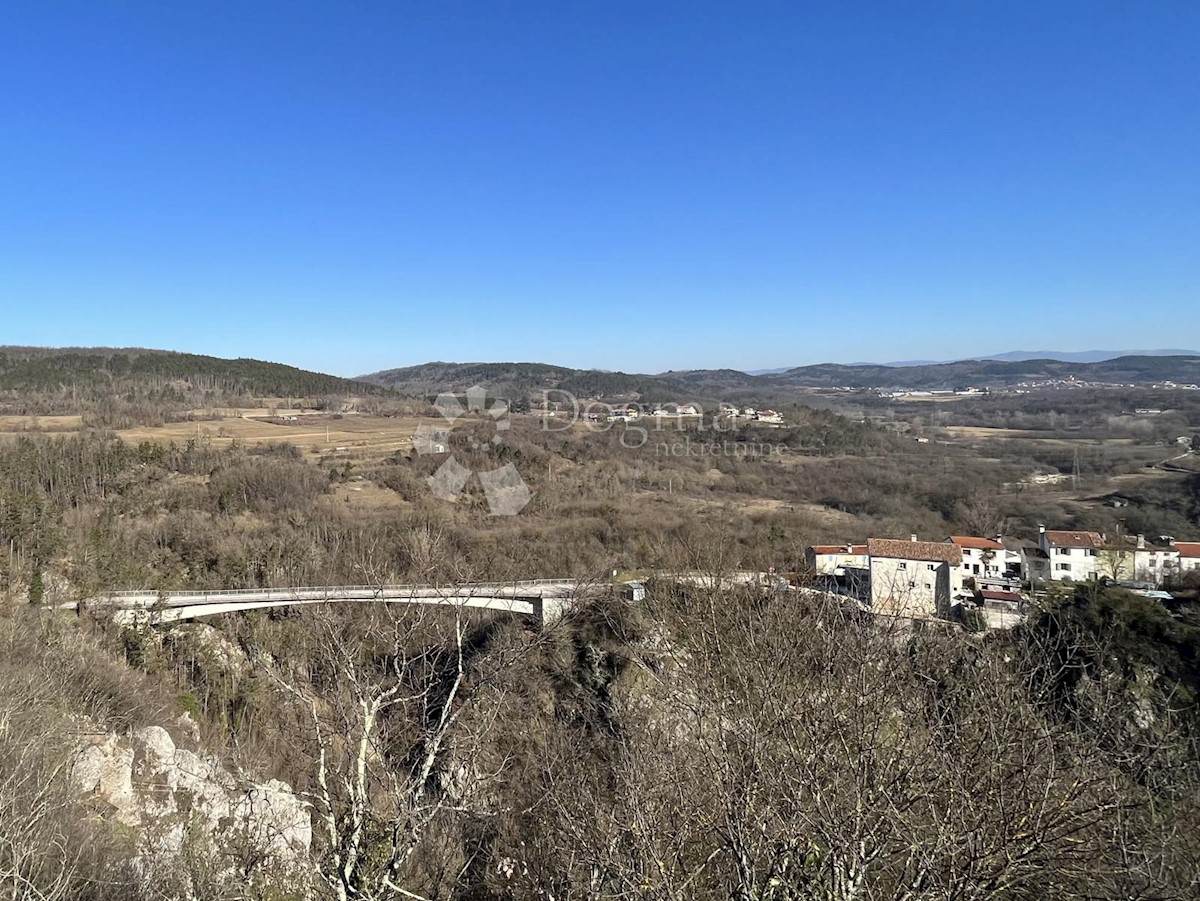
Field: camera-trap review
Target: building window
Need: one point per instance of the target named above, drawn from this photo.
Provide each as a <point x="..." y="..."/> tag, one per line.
<point x="1062" y="566"/>
<point x="903" y="565"/>
<point x="912" y="584"/>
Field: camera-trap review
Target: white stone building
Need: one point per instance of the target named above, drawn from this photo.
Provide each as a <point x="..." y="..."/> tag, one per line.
<point x="986" y="559"/>
<point x="1073" y="555"/>
<point x="1154" y="563"/>
<point x="914" y="578"/>
<point x="1189" y="556"/>
<point x="835" y="559"/>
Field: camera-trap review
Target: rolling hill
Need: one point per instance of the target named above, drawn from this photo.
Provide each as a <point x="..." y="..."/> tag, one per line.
<point x="529" y="378"/>
<point x="1135" y="370"/>
<point x="514" y="379"/>
<point x="98" y="371"/>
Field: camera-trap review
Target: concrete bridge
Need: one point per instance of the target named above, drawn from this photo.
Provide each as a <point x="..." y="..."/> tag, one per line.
<point x="544" y="600"/>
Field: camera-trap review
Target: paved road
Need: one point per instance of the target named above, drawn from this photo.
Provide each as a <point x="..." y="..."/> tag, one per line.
<point x="543" y="599"/>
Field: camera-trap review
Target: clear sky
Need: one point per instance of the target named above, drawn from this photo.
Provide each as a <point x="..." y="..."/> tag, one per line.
<point x="643" y="185"/>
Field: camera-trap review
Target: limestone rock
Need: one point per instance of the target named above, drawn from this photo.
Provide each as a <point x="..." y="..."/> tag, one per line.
<point x="177" y="799"/>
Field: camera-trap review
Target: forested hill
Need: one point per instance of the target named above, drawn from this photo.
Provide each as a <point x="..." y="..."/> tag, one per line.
<point x="526" y="378"/>
<point x="124" y="387"/>
<point x="1139" y="370"/>
<point x="517" y="378"/>
<point x="91" y="370"/>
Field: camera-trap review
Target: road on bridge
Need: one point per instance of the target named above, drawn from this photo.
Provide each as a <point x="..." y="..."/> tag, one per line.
<point x="543" y="599"/>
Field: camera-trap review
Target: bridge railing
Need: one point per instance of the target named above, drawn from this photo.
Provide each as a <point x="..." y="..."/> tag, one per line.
<point x="450" y="588"/>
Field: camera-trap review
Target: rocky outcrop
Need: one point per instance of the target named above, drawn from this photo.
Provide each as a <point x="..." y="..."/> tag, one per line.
<point x="178" y="800"/>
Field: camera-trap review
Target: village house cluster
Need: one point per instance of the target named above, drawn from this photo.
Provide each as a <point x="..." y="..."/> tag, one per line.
<point x="632" y="412"/>
<point x="932" y="578"/>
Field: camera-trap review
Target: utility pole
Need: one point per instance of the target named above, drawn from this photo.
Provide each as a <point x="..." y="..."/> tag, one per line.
<point x="1075" y="471"/>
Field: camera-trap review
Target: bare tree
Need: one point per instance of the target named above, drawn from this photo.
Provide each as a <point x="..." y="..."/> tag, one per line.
<point x="39" y="854"/>
<point x="399" y="703"/>
<point x="980" y="515"/>
<point x="787" y="749"/>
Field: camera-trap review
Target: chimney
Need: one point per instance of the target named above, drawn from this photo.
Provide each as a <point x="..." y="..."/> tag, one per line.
<point x="1041" y="529"/>
<point x="1141" y="541"/>
<point x="849" y="547"/>
<point x="914" y="538"/>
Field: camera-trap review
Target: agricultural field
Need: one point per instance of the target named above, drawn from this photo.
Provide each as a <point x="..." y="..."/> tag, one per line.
<point x="316" y="434"/>
<point x="16" y="425"/>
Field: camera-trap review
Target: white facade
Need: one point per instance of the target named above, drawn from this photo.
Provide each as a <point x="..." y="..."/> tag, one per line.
<point x="1073" y="555"/>
<point x="1189" y="556"/>
<point x="911" y="587"/>
<point x="1155" y="564"/>
<point x="982" y="558"/>
<point x="1075" y="563"/>
<point x="914" y="578"/>
<point x="827" y="560"/>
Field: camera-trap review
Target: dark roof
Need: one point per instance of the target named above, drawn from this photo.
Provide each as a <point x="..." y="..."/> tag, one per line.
<point x="1001" y="596"/>
<point x="897" y="549"/>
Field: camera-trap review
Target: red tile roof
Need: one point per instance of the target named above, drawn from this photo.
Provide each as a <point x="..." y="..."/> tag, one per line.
<point x="839" y="549"/>
<point x="976" y="544"/>
<point x="1075" y="539"/>
<point x="898" y="549"/>
<point x="1187" y="548"/>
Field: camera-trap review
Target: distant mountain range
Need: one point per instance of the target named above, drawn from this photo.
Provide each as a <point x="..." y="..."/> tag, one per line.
<point x="155" y="374"/>
<point x="1021" y="356"/>
<point x="525" y="378"/>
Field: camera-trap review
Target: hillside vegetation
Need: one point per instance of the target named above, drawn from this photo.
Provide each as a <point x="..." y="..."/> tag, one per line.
<point x="132" y="385"/>
<point x="702" y="744"/>
<point x="530" y="378"/>
<point x="103" y="370"/>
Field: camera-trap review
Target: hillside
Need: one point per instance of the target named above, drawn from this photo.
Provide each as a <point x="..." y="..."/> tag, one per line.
<point x="525" y="379"/>
<point x="1087" y="356"/>
<point x="529" y="378"/>
<point x="40" y="369"/>
<point x="1141" y="370"/>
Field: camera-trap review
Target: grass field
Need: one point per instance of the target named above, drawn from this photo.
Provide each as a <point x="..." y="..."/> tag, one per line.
<point x="971" y="431"/>
<point x="364" y="436"/>
<point x="314" y="433"/>
<point x="50" y="424"/>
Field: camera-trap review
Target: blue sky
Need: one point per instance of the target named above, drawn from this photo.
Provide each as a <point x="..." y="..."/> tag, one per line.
<point x="625" y="185"/>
